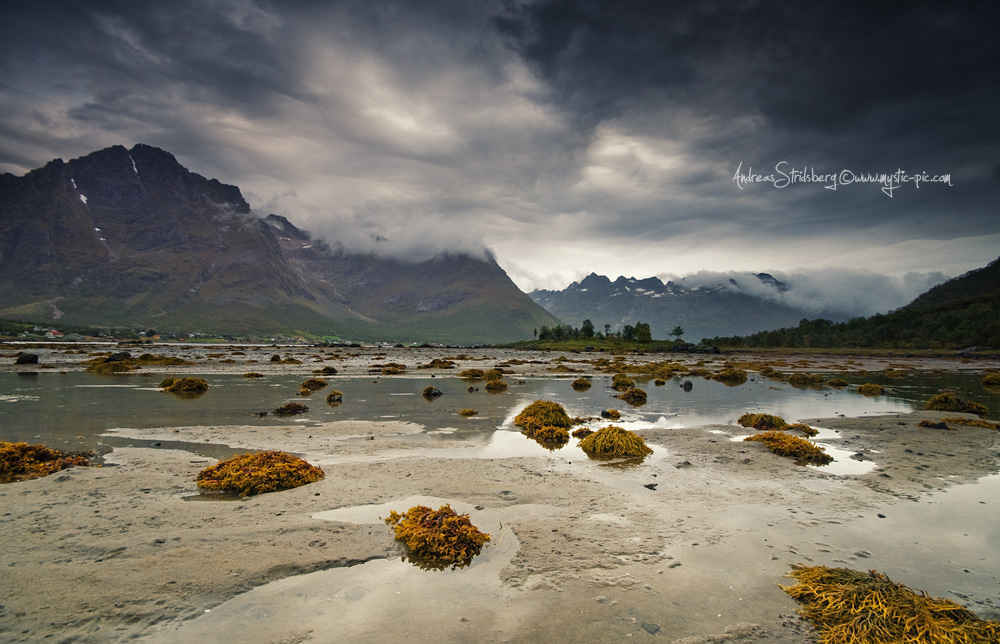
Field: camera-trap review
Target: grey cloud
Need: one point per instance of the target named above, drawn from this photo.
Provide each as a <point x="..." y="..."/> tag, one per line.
<point x="569" y="136"/>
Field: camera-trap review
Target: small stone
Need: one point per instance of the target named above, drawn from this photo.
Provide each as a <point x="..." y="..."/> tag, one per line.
<point x="652" y="629"/>
<point x="650" y="486"/>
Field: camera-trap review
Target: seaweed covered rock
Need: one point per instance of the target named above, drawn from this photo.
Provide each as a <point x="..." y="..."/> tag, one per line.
<point x="849" y="606"/>
<point x="621" y="382"/>
<point x="730" y="376"/>
<point x="291" y="409"/>
<point x="541" y="413"/>
<point x="313" y="384"/>
<point x="800" y="449"/>
<point x="803" y="380"/>
<point x="762" y="421"/>
<point x="550" y="437"/>
<point x="871" y="389"/>
<point x="949" y="401"/>
<point x="249" y="474"/>
<point x="611" y="414"/>
<point x="326" y="371"/>
<point x="581" y="384"/>
<point x="334" y="398"/>
<point x="837" y="382"/>
<point x="802" y="428"/>
<point x="276" y="358"/>
<point x="22" y="461"/>
<point x="583" y="432"/>
<point x="472" y="374"/>
<point x="495" y="385"/>
<point x="614" y="442"/>
<point x="439" y="538"/>
<point x="633" y="396"/>
<point x="467" y="412"/>
<point x="430" y="392"/>
<point x="659" y="382"/>
<point x="991" y="379"/>
<point x="438" y="363"/>
<point x="186" y="386"/>
<point x="253" y="374"/>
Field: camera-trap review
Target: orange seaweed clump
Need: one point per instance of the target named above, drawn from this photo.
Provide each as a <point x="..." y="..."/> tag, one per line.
<point x="541" y="413"/>
<point x="313" y="384"/>
<point x="949" y="401"/>
<point x="550" y="437"/>
<point x="439" y="538"/>
<point x="802" y="428"/>
<point x="784" y="444"/>
<point x="581" y="384"/>
<point x="621" y="382"/>
<point x="615" y="442"/>
<point x="871" y="389"/>
<point x="762" y="421"/>
<point x="853" y="607"/>
<point x="21" y="461"/>
<point x="248" y="474"/>
<point x="730" y="376"/>
<point x="472" y="374"/>
<point x="633" y="396"/>
<point x="185" y="386"/>
<point x="583" y="432"/>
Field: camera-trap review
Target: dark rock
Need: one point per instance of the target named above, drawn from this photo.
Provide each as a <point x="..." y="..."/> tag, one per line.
<point x="687" y="385"/>
<point x="652" y="629"/>
<point x="27" y="358"/>
<point x="683" y="464"/>
<point x="650" y="486"/>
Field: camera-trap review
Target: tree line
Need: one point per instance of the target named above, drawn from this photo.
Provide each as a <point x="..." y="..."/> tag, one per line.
<point x="638" y="332"/>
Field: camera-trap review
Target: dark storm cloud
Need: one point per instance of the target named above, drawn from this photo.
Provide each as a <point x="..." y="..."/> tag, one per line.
<point x="568" y="136"/>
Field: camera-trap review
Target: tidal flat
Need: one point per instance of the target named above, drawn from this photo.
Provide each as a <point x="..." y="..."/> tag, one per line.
<point x="689" y="545"/>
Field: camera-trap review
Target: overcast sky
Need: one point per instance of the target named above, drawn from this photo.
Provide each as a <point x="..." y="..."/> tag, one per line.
<point x="567" y="137"/>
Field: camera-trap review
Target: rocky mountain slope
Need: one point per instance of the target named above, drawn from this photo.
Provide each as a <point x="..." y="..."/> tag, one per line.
<point x="129" y="237"/>
<point x="703" y="311"/>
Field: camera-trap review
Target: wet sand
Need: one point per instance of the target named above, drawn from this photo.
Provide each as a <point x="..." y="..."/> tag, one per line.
<point x="582" y="552"/>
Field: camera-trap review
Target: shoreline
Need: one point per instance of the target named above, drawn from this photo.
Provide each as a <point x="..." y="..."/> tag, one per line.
<point x="605" y="552"/>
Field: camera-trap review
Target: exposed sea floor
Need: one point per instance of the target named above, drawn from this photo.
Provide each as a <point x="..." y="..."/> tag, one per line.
<point x="688" y="545"/>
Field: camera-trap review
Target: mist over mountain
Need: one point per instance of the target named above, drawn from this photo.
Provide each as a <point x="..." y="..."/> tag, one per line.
<point x="843" y="291"/>
<point x="129" y="237"/>
<point x="709" y="304"/>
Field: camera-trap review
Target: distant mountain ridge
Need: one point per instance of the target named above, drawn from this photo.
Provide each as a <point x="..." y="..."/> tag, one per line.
<point x="723" y="308"/>
<point x="129" y="237"/>
<point x="960" y="313"/>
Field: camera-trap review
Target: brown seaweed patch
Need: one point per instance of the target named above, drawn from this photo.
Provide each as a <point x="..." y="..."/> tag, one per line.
<point x="802" y="428"/>
<point x="472" y="374"/>
<point x="431" y="392"/>
<point x="583" y="432"/>
<point x="248" y="474"/>
<point x="762" y="421"/>
<point x="991" y="379"/>
<point x="550" y="437"/>
<point x="438" y="363"/>
<point x="186" y="386"/>
<point x="253" y="374"/>
<point x="949" y="401"/>
<point x="614" y="442"/>
<point x="852" y="607"/>
<point x="633" y="396"/>
<point x="971" y="422"/>
<point x="291" y="409"/>
<point x="541" y="413"/>
<point x="581" y="384"/>
<point x="730" y="376"/>
<point x="621" y="382"/>
<point x="467" y="412"/>
<point x="871" y="389"/>
<point x="334" y="398"/>
<point x="611" y="414"/>
<point x="803" y="380"/>
<point x="837" y="382"/>
<point x="437" y="539"/>
<point x="800" y="449"/>
<point x="21" y="461"/>
<point x="930" y="424"/>
<point x="313" y="384"/>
